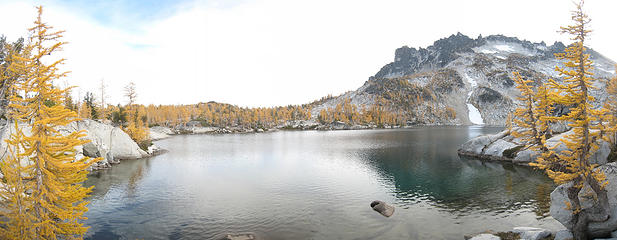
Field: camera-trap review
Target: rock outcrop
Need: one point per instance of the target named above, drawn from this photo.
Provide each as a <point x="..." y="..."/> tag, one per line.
<point x="596" y="229"/>
<point x="505" y="147"/>
<point x="106" y="141"/>
<point x="158" y="133"/>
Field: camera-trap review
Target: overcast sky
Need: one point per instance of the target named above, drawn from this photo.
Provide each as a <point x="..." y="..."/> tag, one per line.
<point x="273" y="52"/>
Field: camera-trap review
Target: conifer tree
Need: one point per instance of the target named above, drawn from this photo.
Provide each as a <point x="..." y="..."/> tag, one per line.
<point x="43" y="164"/>
<point x="135" y="127"/>
<point x="525" y="114"/>
<point x="586" y="121"/>
<point x="611" y="105"/>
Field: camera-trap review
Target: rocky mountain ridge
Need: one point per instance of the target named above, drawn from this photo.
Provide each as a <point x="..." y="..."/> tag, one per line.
<point x="459" y="80"/>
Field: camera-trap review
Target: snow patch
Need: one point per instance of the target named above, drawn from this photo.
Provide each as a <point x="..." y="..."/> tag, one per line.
<point x="501" y="49"/>
<point x="474" y="114"/>
<point x="504" y="48"/>
<point x="601" y="68"/>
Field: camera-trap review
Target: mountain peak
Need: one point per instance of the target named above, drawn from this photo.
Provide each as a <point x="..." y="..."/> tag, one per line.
<point x="409" y="60"/>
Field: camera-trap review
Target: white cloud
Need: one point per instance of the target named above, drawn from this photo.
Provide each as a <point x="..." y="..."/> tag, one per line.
<point x="277" y="52"/>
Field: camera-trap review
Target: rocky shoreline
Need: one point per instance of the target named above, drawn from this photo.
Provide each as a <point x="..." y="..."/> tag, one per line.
<point x="193" y="127"/>
<point x="110" y="143"/>
<point x="505" y="148"/>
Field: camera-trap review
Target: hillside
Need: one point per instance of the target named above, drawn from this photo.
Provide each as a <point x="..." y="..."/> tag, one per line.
<point x="460" y="80"/>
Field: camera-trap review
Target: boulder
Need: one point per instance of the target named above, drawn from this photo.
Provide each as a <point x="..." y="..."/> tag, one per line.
<point x="478" y="144"/>
<point x="91" y="150"/>
<point x="382" y="208"/>
<point x="109" y="139"/>
<point x="564" y="216"/>
<point x="338" y="125"/>
<point x="564" y="235"/>
<point x="526" y="156"/>
<point x="496" y="144"/>
<point x="531" y="233"/>
<point x="600" y="157"/>
<point x="152" y="149"/>
<point x="498" y="147"/>
<point x="485" y="236"/>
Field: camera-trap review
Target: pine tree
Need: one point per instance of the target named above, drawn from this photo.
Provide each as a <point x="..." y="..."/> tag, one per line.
<point x="92" y="108"/>
<point x="43" y="165"/>
<point x="586" y="121"/>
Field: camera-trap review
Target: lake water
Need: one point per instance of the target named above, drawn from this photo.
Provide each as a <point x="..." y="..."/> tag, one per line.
<point x="316" y="185"/>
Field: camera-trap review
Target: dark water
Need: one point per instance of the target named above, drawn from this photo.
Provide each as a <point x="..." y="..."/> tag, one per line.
<point x="316" y="185"/>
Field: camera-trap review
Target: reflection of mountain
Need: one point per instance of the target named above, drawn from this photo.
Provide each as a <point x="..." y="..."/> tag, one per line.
<point x="427" y="170"/>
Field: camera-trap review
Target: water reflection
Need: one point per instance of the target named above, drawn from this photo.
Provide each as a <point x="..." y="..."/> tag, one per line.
<point x="424" y="170"/>
<point x="316" y="185"/>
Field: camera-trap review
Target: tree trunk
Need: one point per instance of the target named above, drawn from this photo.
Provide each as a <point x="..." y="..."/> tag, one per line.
<point x="597" y="213"/>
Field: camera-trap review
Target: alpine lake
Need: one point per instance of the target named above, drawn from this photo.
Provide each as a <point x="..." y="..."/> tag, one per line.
<point x="316" y="185"/>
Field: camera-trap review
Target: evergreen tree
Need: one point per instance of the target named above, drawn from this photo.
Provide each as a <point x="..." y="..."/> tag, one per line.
<point x="90" y="102"/>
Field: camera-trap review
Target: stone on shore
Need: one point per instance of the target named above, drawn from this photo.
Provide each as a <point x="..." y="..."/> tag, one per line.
<point x="498" y="147"/>
<point x="159" y="132"/>
<point x="531" y="233"/>
<point x="485" y="236"/>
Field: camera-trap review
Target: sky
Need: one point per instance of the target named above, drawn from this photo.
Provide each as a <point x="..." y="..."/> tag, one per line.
<point x="258" y="53"/>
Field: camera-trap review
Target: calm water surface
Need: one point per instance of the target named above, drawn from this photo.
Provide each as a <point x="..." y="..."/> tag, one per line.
<point x="316" y="185"/>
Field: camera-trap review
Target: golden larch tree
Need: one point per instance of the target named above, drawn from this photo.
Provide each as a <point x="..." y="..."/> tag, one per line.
<point x="573" y="165"/>
<point x="43" y="164"/>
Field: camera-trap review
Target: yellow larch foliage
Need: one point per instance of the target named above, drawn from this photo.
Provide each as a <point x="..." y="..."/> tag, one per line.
<point x="529" y="116"/>
<point x="611" y="104"/>
<point x="583" y="117"/>
<point x="135" y="127"/>
<point x="588" y="128"/>
<point x="525" y="115"/>
<point x="43" y="164"/>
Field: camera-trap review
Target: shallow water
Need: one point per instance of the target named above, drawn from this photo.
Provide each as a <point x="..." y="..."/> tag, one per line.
<point x="316" y="185"/>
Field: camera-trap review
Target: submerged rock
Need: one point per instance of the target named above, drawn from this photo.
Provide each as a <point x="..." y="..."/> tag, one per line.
<point x="240" y="236"/>
<point x="382" y="208"/>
